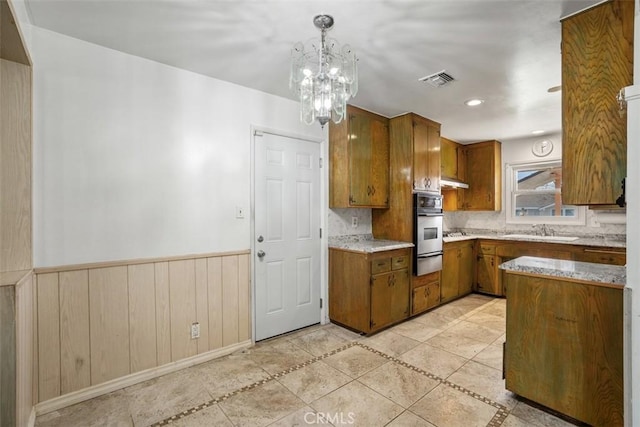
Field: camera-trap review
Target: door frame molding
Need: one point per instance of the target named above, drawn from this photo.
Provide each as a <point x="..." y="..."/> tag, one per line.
<point x="324" y="203"/>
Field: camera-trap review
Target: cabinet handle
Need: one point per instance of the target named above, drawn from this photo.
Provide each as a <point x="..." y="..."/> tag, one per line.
<point x="489" y="196"/>
<point x="373" y="190"/>
<point x="424" y="180"/>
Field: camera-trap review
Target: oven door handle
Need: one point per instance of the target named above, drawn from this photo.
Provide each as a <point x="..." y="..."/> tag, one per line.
<point x="431" y="255"/>
<point x="430" y="214"/>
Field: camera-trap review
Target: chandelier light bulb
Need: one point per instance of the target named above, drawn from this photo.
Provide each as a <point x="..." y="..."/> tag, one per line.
<point x="324" y="76"/>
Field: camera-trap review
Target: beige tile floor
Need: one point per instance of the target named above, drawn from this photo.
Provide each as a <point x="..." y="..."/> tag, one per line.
<point x="441" y="369"/>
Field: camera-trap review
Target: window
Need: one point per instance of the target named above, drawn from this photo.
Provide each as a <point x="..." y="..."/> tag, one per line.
<point x="534" y="195"/>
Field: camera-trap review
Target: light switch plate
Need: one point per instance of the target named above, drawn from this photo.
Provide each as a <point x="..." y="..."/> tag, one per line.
<point x="239" y="212"/>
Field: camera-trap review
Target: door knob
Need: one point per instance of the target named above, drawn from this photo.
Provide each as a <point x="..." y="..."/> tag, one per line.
<point x="260" y="239"/>
<point x="261" y="254"/>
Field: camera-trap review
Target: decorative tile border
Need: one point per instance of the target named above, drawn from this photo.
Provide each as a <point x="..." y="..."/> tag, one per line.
<point x="497" y="420"/>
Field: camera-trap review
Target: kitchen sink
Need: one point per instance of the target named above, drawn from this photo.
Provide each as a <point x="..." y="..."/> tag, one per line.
<point x="549" y="238"/>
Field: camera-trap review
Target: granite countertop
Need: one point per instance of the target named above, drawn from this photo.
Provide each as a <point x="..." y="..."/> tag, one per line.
<point x="602" y="241"/>
<point x="585" y="271"/>
<point x="365" y="243"/>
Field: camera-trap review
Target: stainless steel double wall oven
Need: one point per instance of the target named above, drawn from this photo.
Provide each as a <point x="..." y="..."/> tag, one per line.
<point x="427" y="223"/>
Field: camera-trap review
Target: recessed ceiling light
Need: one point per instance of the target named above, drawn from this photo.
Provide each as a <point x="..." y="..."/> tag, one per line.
<point x="473" y="102"/>
<point x="555" y="89"/>
<point x="538" y="132"/>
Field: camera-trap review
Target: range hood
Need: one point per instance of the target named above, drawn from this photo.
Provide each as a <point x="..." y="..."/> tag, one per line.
<point x="452" y="183"/>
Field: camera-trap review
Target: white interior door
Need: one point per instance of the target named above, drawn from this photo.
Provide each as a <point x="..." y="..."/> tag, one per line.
<point x="287" y="234"/>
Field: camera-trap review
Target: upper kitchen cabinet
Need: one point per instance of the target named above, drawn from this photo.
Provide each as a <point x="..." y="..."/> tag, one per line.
<point x="415" y="165"/>
<point x="359" y="160"/>
<point x="597" y="61"/>
<point x="484" y="176"/>
<point x="426" y="153"/>
<point x="453" y="170"/>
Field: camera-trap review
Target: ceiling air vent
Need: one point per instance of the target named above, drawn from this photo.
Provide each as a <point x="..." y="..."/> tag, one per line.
<point x="438" y="79"/>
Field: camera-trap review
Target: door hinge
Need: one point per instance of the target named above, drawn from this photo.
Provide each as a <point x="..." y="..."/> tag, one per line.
<point x="320" y="302"/>
<point x="320" y="162"/>
<point x="321" y="233"/>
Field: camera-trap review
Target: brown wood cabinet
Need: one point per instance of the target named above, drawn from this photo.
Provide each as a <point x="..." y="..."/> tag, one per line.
<point x="487" y="269"/>
<point x="564" y="346"/>
<point x="369" y="291"/>
<point x="597" y="61"/>
<point x="453" y="166"/>
<point x="414" y="160"/>
<point x="425" y="292"/>
<point x="359" y="160"/>
<point x="457" y="270"/>
<point x="492" y="253"/>
<point x="484" y="176"/>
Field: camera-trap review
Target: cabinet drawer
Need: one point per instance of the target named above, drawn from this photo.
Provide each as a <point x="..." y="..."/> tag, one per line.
<point x="381" y="265"/>
<point x="602" y="256"/>
<point x="399" y="262"/>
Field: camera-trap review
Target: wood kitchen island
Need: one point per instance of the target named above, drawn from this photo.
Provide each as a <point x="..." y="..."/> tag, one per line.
<point x="564" y="338"/>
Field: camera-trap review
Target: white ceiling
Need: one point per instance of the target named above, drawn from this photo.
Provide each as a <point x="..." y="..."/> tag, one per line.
<point x="506" y="52"/>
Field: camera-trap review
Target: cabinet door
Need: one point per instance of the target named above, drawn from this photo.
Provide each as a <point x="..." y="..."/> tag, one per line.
<point x="594" y="134"/>
<point x="360" y="156"/>
<point x="381" y="296"/>
<point x="433" y="158"/>
<point x="448" y="158"/>
<point x="368" y="161"/>
<point x="487" y="277"/>
<point x="379" y="174"/>
<point x="450" y="273"/>
<point x="426" y="156"/>
<point x="420" y="155"/>
<point x="465" y="269"/>
<point x="399" y="303"/>
<point x="484" y="177"/>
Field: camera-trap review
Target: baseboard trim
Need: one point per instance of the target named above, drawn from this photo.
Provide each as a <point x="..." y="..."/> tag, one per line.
<point x="131" y="379"/>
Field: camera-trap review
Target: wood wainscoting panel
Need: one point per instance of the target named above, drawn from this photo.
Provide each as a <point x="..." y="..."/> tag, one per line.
<point x="142" y="317"/>
<point x="109" y="323"/>
<point x="182" y="293"/>
<point x="202" y="304"/>
<point x="24" y="349"/>
<point x="15" y="165"/>
<point x="113" y="321"/>
<point x="48" y="336"/>
<point x="244" y="299"/>
<point x="75" y="355"/>
<point x="214" y="271"/>
<point x="229" y="300"/>
<point x="163" y="313"/>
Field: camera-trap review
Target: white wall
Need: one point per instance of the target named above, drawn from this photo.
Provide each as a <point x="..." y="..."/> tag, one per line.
<point x="136" y="159"/>
<point x="520" y="152"/>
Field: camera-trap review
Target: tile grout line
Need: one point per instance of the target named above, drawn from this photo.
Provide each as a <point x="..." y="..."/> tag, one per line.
<point x="269" y="378"/>
<point x="497" y="420"/>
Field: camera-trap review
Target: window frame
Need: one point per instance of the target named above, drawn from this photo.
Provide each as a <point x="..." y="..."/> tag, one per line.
<point x="511" y="193"/>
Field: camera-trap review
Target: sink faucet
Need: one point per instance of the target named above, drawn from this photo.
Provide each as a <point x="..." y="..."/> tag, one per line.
<point x="543" y="230"/>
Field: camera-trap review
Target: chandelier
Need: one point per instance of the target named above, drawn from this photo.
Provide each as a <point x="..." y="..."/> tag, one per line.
<point x="323" y="75"/>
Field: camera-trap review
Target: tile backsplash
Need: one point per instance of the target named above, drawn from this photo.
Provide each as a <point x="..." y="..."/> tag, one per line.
<point x="598" y="223"/>
<point x="340" y="221"/>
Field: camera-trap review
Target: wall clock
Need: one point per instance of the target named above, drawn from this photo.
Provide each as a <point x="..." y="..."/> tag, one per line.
<point x="542" y="148"/>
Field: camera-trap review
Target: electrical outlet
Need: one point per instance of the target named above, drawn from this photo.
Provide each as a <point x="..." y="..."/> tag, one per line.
<point x="354" y="222"/>
<point x="239" y="212"/>
<point x="195" y="330"/>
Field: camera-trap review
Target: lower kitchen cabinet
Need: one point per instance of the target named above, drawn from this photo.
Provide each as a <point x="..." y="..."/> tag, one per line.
<point x="457" y="270"/>
<point x="425" y="292"/>
<point x="369" y="291"/>
<point x="487" y="269"/>
<point x="564" y="346"/>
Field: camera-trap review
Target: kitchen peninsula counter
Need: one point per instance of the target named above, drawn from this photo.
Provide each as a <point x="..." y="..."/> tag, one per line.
<point x="596" y="274"/>
<point x="564" y="336"/>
